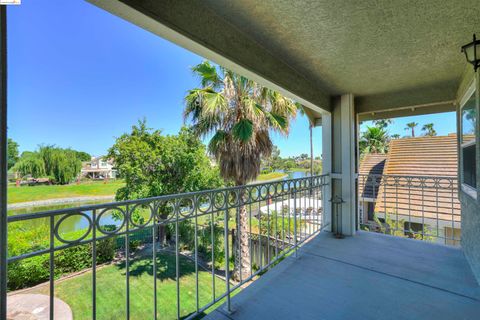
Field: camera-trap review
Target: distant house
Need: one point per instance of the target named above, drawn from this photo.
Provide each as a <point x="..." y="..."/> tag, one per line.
<point x="416" y="182"/>
<point x="99" y="168"/>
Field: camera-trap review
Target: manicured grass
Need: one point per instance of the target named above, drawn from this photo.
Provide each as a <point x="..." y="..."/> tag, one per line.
<point x="111" y="290"/>
<point x="35" y="193"/>
<point x="300" y="169"/>
<point x="271" y="176"/>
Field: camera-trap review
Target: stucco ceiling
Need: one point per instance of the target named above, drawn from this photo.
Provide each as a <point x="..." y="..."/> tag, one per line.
<point x="362" y="47"/>
<point x="388" y="53"/>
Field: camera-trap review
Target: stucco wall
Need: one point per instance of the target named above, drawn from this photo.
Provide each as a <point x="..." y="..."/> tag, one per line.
<point x="470" y="206"/>
<point x="471" y="232"/>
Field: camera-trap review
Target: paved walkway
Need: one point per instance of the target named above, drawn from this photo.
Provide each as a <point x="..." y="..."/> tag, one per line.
<point x="369" y="276"/>
<point x="58" y="201"/>
<point x="35" y="306"/>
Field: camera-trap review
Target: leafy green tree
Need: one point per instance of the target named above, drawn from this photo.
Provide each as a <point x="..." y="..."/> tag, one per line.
<point x="374" y="140"/>
<point x="288" y="164"/>
<point x="429" y="130"/>
<point x="411" y="127"/>
<point x="30" y="163"/>
<point x="83" y="156"/>
<point x="304" y="156"/>
<point x="272" y="162"/>
<point x="395" y="136"/>
<point x="238" y="114"/>
<point x="60" y="165"/>
<point x="317" y="167"/>
<point x="153" y="164"/>
<point x="12" y="153"/>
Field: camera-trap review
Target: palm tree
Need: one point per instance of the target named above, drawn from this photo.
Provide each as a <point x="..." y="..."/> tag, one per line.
<point x="429" y="130"/>
<point x="395" y="136"/>
<point x="238" y="114"/>
<point x="411" y="126"/>
<point x="374" y="140"/>
<point x="382" y="123"/>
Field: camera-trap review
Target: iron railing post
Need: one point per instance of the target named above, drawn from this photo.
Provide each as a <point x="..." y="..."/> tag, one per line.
<point x="127" y="261"/>
<point x="155" y="214"/>
<point x="177" y="257"/>
<point x="227" y="254"/>
<point x="422" y="200"/>
<point x="295" y="220"/>
<point x="3" y="162"/>
<point x="94" y="266"/>
<point x="52" y="270"/>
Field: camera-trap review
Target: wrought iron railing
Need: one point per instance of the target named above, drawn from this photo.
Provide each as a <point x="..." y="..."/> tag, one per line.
<point x="419" y="207"/>
<point x="198" y="230"/>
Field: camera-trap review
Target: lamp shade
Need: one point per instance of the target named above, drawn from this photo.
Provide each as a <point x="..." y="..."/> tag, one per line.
<point x="472" y="52"/>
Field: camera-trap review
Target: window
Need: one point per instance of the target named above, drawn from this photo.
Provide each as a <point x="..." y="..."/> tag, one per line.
<point x="468" y="142"/>
<point x="412" y="229"/>
<point x="370" y="210"/>
<point x="452" y="236"/>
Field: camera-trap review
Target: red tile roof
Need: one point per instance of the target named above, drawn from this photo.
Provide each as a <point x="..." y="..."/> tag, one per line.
<point x="402" y="192"/>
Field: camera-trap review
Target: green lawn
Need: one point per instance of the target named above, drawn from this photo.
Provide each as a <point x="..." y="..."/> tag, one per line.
<point x="34" y="193"/>
<point x="111" y="292"/>
<point x="92" y="188"/>
<point x="270" y="176"/>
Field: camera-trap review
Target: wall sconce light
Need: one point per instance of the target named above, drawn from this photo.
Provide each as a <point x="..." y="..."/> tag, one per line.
<point x="472" y="52"/>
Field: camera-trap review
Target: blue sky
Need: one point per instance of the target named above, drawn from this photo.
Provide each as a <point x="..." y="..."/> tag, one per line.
<point x="444" y="123"/>
<point x="79" y="77"/>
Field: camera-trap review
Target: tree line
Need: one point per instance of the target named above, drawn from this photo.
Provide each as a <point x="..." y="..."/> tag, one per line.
<point x="376" y="138"/>
<point x="58" y="165"/>
<point x="276" y="163"/>
<point x="237" y="114"/>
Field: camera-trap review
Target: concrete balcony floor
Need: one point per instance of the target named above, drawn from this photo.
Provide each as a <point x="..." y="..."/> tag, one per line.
<point x="369" y="276"/>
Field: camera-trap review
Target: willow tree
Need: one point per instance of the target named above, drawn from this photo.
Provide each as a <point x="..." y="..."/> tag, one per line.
<point x="59" y="165"/>
<point x="239" y="115"/>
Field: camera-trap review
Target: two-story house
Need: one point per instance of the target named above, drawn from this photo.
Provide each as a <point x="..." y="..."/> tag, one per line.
<point x="99" y="168"/>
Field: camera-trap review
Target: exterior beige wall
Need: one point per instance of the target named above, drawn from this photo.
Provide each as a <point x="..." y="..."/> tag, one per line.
<point x="470" y="206"/>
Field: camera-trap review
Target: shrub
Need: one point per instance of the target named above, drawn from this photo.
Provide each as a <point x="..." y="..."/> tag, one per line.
<point x="32" y="271"/>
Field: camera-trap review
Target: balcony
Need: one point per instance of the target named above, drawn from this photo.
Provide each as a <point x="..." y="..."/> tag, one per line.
<point x="367" y="276"/>
<point x="189" y="243"/>
<point x="382" y="60"/>
<point x="178" y="251"/>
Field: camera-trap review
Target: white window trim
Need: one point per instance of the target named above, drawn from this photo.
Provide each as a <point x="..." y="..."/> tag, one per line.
<point x="470" y="191"/>
<point x="469" y="143"/>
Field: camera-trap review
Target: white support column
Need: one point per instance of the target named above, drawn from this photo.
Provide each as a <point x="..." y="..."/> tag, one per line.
<point x="348" y="164"/>
<point x="327" y="169"/>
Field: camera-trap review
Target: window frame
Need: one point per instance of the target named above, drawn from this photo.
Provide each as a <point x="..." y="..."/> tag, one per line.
<point x="471" y="92"/>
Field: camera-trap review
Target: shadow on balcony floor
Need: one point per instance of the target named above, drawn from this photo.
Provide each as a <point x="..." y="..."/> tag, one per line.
<point x="369" y="276"/>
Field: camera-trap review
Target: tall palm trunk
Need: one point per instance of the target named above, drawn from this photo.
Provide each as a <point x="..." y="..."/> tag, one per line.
<point x="242" y="248"/>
